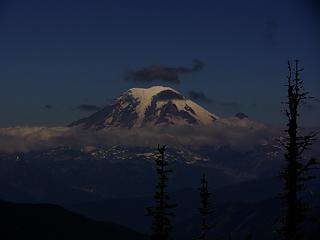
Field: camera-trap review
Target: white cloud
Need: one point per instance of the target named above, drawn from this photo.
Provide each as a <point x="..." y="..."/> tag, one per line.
<point x="239" y="133"/>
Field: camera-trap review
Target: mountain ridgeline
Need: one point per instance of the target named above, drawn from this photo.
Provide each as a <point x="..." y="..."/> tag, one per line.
<point x="46" y="221"/>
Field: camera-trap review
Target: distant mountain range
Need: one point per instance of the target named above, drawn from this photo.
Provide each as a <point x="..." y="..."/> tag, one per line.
<point x="65" y="174"/>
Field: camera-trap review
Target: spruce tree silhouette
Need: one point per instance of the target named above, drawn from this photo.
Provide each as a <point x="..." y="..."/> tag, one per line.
<point x="161" y="214"/>
<point x="248" y="237"/>
<point x="296" y="172"/>
<point x="204" y="209"/>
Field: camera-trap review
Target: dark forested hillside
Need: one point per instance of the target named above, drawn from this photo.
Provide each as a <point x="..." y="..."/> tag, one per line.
<point x="45" y="221"/>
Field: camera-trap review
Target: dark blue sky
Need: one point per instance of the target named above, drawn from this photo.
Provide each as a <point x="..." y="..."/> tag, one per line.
<point x="66" y="53"/>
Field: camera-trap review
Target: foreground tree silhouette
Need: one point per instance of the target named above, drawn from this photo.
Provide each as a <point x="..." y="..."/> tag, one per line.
<point x="204" y="209"/>
<point x="248" y="237"/>
<point x="296" y="171"/>
<point x="161" y="214"/>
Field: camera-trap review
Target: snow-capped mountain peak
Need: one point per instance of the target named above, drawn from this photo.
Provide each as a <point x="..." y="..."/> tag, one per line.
<point x="154" y="106"/>
<point x="145" y="96"/>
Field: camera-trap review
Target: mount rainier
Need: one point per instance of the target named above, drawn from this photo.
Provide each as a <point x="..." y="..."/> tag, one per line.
<point x="154" y="106"/>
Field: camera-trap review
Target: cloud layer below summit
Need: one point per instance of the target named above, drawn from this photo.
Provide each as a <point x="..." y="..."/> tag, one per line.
<point x="240" y="134"/>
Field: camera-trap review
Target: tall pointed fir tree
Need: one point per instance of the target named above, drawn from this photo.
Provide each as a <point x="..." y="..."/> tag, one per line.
<point x="204" y="209"/>
<point x="248" y="237"/>
<point x="160" y="213"/>
<point x="297" y="169"/>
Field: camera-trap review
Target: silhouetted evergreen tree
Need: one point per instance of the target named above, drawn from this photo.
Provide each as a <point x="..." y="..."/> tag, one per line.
<point x="248" y="237"/>
<point x="161" y="214"/>
<point x="296" y="171"/>
<point x="204" y="209"/>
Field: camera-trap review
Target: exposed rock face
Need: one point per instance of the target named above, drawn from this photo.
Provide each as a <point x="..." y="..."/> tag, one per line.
<point x="120" y="114"/>
<point x="241" y="115"/>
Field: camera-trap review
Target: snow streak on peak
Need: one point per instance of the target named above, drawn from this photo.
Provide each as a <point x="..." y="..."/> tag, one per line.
<point x="145" y="96"/>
